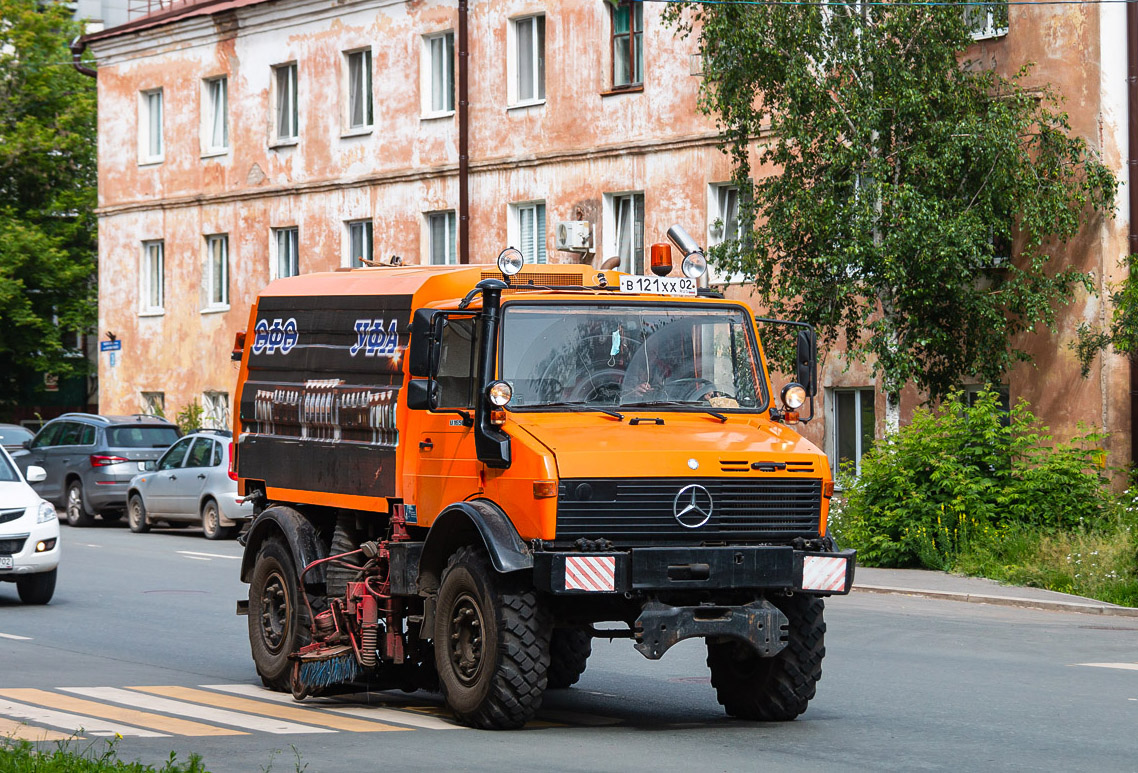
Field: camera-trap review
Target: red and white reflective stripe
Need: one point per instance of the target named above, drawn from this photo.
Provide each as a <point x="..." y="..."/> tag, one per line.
<point x="823" y="573"/>
<point x="592" y="573"/>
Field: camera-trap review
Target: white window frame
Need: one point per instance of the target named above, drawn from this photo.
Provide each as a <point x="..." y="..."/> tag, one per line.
<point x="151" y="149"/>
<point x="209" y="111"/>
<point x="450" y="237"/>
<point x="612" y="234"/>
<point x="215" y="410"/>
<point x="367" y="122"/>
<point x="275" y="256"/>
<point x="536" y="250"/>
<point x="860" y="394"/>
<point x="148" y="282"/>
<point x="718" y="195"/>
<point x="214" y="243"/>
<point x="989" y="30"/>
<point x="293" y="93"/>
<point x="427" y="71"/>
<point x="350" y="226"/>
<point x="513" y="61"/>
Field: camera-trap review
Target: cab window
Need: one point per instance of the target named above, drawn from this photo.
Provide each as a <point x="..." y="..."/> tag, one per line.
<point x="458" y="363"/>
<point x="173" y="458"/>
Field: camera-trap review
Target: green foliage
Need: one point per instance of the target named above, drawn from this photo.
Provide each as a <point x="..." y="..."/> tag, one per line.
<point x="189" y="419"/>
<point x="1122" y="333"/>
<point x="71" y="757"/>
<point x="956" y="477"/>
<point x="906" y="176"/>
<point x="47" y="194"/>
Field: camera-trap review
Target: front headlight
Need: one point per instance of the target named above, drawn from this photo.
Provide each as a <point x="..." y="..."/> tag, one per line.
<point x="793" y="396"/>
<point x="46" y="512"/>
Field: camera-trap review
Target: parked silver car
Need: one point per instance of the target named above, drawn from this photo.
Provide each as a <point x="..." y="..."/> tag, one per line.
<point x="190" y="482"/>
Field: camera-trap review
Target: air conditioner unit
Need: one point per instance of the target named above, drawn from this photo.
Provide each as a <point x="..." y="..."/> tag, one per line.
<point x="574" y="236"/>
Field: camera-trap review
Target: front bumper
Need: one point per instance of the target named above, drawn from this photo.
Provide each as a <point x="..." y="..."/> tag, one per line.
<point x="764" y="567"/>
<point x="26" y="560"/>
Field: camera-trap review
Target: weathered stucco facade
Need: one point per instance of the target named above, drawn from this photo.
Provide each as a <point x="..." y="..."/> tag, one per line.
<point x="577" y="151"/>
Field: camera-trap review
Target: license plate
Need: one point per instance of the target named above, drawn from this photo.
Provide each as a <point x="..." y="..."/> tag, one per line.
<point x="6" y="562"/>
<point x="662" y="285"/>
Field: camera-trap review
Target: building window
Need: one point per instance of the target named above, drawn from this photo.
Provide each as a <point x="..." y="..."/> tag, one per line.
<point x="1003" y="399"/>
<point x="441" y="232"/>
<point x="216" y="115"/>
<point x="722" y="224"/>
<point x="854" y="423"/>
<point x="528" y="230"/>
<point x="624" y="225"/>
<point x="359" y="243"/>
<point x="154" y="403"/>
<point x="216" y="272"/>
<point x="627" y="44"/>
<point x="153" y="275"/>
<point x="286" y="113"/>
<point x="359" y="89"/>
<point x="215" y="410"/>
<point x="529" y="59"/>
<point x="286" y="261"/>
<point x="986" y="21"/>
<point x="439" y="60"/>
<point x="150" y="126"/>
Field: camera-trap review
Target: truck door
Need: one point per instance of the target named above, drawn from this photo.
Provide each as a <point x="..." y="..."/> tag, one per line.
<point x="447" y="464"/>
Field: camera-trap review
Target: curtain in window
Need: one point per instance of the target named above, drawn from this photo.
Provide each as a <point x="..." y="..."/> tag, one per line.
<point x="154" y="113"/>
<point x="359" y="242"/>
<point x="219" y="113"/>
<point x="286" y="101"/>
<point x="287" y="259"/>
<point x="629" y="216"/>
<point x="728" y="201"/>
<point x="525" y="60"/>
<point x="442" y="73"/>
<point x="442" y="231"/>
<point x="359" y="89"/>
<point x="525" y="232"/>
<point x="539" y="234"/>
<point x="218" y="270"/>
<point x="155" y="275"/>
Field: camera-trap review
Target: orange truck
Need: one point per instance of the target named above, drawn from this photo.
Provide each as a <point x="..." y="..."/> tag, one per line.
<point x="462" y="474"/>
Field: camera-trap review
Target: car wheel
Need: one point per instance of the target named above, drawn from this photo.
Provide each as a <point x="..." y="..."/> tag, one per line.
<point x="36" y="588"/>
<point x="77" y="514"/>
<point x="211" y="521"/>
<point x="136" y="515"/>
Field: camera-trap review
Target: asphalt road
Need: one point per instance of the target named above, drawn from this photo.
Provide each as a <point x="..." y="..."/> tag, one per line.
<point x="909" y="684"/>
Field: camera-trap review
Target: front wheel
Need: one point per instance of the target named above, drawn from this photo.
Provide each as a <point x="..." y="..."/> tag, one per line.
<point x="278" y="626"/>
<point x="774" y="689"/>
<point x="491" y="640"/>
<point x="569" y="651"/>
<point x="36" y="588"/>
<point x="77" y="514"/>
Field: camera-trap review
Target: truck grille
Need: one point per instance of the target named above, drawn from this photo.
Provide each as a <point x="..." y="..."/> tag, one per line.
<point x="636" y="510"/>
<point x="11" y="546"/>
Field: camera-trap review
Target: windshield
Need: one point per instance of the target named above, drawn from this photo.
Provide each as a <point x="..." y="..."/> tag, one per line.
<point x="630" y="355"/>
<point x="7" y="471"/>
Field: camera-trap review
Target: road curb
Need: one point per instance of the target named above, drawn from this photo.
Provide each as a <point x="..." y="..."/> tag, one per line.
<point x="1007" y="601"/>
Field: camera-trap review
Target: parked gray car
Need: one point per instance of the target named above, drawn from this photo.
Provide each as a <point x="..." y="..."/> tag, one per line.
<point x="191" y="482"/>
<point x="89" y="460"/>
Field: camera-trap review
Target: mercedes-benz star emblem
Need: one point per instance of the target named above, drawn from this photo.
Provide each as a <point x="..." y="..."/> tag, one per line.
<point x="692" y="506"/>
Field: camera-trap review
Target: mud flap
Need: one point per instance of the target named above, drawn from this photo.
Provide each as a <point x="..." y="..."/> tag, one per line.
<point x="760" y="624"/>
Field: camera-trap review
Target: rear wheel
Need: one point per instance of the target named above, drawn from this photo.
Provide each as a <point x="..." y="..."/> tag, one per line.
<point x="211" y="521"/>
<point x="491" y="644"/>
<point x="278" y="622"/>
<point x="36" y="588"/>
<point x="778" y="688"/>
<point x="136" y="515"/>
<point x="77" y="514"/>
<point x="569" y="651"/>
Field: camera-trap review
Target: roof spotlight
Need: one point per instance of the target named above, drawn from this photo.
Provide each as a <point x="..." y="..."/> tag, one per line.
<point x="510" y="261"/>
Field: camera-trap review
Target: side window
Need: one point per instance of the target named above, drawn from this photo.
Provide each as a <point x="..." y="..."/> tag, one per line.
<point x="457" y="363"/>
<point x="217" y="457"/>
<point x="87" y="435"/>
<point x="69" y="435"/>
<point x="854" y="424"/>
<point x="173" y="458"/>
<point x="200" y="453"/>
<point x="47" y="436"/>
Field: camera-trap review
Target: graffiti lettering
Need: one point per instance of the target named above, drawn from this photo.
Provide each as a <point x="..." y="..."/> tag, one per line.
<point x="373" y="340"/>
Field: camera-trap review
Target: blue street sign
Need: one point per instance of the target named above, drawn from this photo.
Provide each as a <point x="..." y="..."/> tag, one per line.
<point x="110" y="346"/>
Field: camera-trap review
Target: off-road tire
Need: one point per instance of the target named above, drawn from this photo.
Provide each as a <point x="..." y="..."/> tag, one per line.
<point x="211" y="521"/>
<point x="569" y="651"/>
<point x="36" y="588"/>
<point x="494" y="680"/>
<point x="77" y="514"/>
<point x="775" y="689"/>
<point x="278" y="618"/>
<point x="136" y="515"/>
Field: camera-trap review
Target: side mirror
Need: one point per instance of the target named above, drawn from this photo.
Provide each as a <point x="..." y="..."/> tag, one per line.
<point x="422" y="395"/>
<point x="806" y="370"/>
<point x="27" y="443"/>
<point x="423" y="351"/>
<point x="36" y="474"/>
<point x="150" y="465"/>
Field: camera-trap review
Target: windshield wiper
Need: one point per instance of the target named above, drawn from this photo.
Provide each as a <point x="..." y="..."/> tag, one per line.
<point x="583" y="407"/>
<point x="674" y="404"/>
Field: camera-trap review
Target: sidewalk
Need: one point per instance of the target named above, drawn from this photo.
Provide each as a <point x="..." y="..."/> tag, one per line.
<point x="940" y="585"/>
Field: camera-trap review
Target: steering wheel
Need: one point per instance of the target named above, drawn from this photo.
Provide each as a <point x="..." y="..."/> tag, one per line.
<point x="603" y="386"/>
<point x="695" y="389"/>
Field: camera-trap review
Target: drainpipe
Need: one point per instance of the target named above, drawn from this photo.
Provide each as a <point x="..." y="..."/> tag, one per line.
<point x="1132" y="180"/>
<point x="78" y="46"/>
<point x="463" y="140"/>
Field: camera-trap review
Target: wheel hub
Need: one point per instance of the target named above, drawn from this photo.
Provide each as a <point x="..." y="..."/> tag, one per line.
<point x="466" y="632"/>
<point x="274" y="612"/>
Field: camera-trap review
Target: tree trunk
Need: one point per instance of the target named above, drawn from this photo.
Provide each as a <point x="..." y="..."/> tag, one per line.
<point x="892" y="413"/>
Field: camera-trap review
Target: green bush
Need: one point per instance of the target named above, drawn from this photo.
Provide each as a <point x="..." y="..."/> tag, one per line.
<point x="957" y="478"/>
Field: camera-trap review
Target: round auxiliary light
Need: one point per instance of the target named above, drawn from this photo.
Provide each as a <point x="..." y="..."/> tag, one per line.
<point x="793" y="396"/>
<point x="499" y="393"/>
<point x="510" y="261"/>
<point x="694" y="265"/>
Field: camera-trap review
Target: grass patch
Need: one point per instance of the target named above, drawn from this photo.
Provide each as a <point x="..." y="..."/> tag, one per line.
<point x="74" y="756"/>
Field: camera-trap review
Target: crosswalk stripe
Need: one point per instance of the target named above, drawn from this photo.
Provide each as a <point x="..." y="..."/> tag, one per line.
<point x="308" y="716"/>
<point x="205" y="713"/>
<point x="72" y="722"/>
<point x="383" y="712"/>
<point x="18" y="731"/>
<point x="132" y="716"/>
<point x="1122" y="666"/>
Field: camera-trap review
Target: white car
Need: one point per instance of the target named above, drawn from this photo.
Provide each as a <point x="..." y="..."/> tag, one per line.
<point x="29" y="534"/>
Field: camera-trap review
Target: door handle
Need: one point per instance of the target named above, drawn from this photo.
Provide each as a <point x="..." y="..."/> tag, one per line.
<point x="201" y="476"/>
<point x="173" y="477"/>
<point x="426" y="445"/>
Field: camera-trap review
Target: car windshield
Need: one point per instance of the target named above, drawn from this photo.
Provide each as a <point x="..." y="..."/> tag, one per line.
<point x="7" y="471"/>
<point x="630" y="355"/>
<point x="141" y="437"/>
